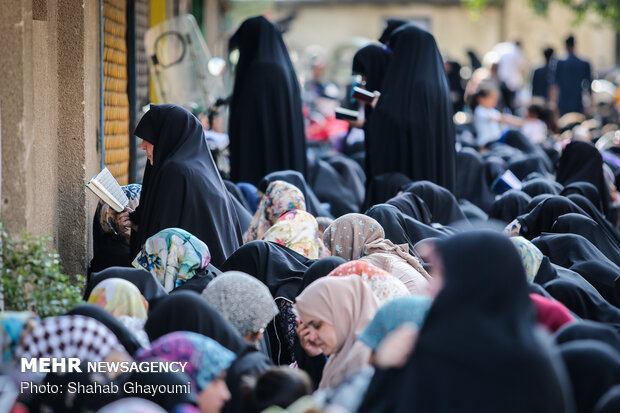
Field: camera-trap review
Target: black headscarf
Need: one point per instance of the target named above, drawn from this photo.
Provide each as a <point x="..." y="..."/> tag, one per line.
<point x="535" y="201"/>
<point x="313" y="205"/>
<point x="150" y="289"/>
<point x="522" y="167"/>
<point x="320" y="269"/>
<point x="183" y="188"/>
<point x="544" y="215"/>
<point x="448" y="374"/>
<point x="390" y="26"/>
<point x="441" y="203"/>
<point x="509" y="205"/>
<point x="266" y="125"/>
<point x="517" y="139"/>
<point x="372" y="61"/>
<point x="187" y="311"/>
<point x="475" y="178"/>
<point x="125" y="336"/>
<point x="413" y="206"/>
<point x="539" y="186"/>
<point x="610" y="230"/>
<point x="593" y="367"/>
<point x="383" y="187"/>
<point x="588" y="330"/>
<point x="411" y="128"/>
<point x="609" y="402"/>
<point x="587" y="190"/>
<point x="279" y="268"/>
<point x="581" y="161"/>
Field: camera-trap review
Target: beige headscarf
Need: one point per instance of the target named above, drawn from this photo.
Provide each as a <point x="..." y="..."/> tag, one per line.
<point x="348" y="304"/>
<point x="353" y="236"/>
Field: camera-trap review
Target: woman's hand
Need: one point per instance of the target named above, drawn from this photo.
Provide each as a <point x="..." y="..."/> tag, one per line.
<point x="122" y="219"/>
<point x="303" y="333"/>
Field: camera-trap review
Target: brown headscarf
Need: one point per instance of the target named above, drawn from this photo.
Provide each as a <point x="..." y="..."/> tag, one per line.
<point x="353" y="236"/>
<point x="348" y="304"/>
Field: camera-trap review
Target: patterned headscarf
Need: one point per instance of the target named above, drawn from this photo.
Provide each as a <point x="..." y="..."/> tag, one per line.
<point x="173" y="256"/>
<point x="299" y="231"/>
<point x="401" y="310"/>
<point x="531" y="256"/>
<point x="353" y="236"/>
<point x="280" y="198"/>
<point x="68" y="336"/>
<point x="384" y="285"/>
<point x="106" y="214"/>
<point x="12" y="325"/>
<point x="132" y="405"/>
<point x="242" y="300"/>
<point x="119" y="297"/>
<point x="206" y="358"/>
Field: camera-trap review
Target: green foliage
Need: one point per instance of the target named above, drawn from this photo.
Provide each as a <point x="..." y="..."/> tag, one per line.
<point x="608" y="10"/>
<point x="31" y="277"/>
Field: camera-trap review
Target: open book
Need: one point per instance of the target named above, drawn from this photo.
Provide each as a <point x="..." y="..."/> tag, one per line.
<point x="105" y="187"/>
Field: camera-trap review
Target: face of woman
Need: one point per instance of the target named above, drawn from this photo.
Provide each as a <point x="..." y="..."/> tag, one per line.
<point x="322" y="334"/>
<point x="213" y="397"/>
<point x="148" y="148"/>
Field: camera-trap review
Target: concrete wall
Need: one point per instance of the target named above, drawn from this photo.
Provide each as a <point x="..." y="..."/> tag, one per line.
<point x="328" y="25"/>
<point x="50" y="99"/>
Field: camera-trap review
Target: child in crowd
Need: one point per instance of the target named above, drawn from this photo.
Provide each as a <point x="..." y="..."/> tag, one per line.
<point x="487" y="119"/>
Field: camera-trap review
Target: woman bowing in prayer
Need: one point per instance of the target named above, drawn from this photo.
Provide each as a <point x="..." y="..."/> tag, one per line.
<point x="411" y="128"/>
<point x="266" y="123"/>
<point x="181" y="187"/>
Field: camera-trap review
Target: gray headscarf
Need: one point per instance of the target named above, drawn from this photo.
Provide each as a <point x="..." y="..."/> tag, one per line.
<point x="242" y="300"/>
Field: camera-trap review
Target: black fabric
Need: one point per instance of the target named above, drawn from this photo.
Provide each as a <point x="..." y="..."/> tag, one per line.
<point x="279" y="268"/>
<point x="509" y="206"/>
<point x="166" y="400"/>
<point x="525" y="165"/>
<point x="413" y="206"/>
<point x="609" y="402"/>
<point x="402" y="229"/>
<point x="441" y="203"/>
<point x="390" y="26"/>
<point x="411" y="129"/>
<point x="236" y="193"/>
<point x="199" y="281"/>
<point x="319" y="269"/>
<point x="588" y="330"/>
<point x="472" y="212"/>
<point x="266" y="124"/>
<point x="577" y="294"/>
<point x="183" y="189"/>
<point x="582" y="162"/>
<point x="593" y="367"/>
<point x="188" y="311"/>
<point x="475" y="178"/>
<point x="587" y="190"/>
<point x="579" y="255"/>
<point x="313" y="205"/>
<point x="539" y="186"/>
<point x="125" y="336"/>
<point x="590" y="230"/>
<point x="535" y="201"/>
<point x="544" y="215"/>
<point x="383" y="187"/>
<point x="517" y="139"/>
<point x="446" y="373"/>
<point x="610" y="230"/>
<point x="372" y="62"/>
<point x="144" y="280"/>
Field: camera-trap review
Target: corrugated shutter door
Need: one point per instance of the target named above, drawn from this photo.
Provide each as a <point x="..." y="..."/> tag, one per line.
<point x="116" y="101"/>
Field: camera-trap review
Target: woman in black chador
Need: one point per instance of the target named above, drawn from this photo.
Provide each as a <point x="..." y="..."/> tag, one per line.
<point x="266" y="125"/>
<point x="411" y="129"/>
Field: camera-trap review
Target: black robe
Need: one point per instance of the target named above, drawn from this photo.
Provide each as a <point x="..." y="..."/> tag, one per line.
<point x="441" y="203"/>
<point x="411" y="128"/>
<point x="313" y="205"/>
<point x="539" y="186"/>
<point x="588" y="330"/>
<point x="383" y="187"/>
<point x="413" y="206"/>
<point x="183" y="188"/>
<point x="266" y="124"/>
<point x="509" y="205"/>
<point x="478" y="350"/>
<point x="475" y="178"/>
<point x="188" y="311"/>
<point x="544" y="215"/>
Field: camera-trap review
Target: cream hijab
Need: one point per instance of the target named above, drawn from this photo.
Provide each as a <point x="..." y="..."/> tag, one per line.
<point x="348" y="304"/>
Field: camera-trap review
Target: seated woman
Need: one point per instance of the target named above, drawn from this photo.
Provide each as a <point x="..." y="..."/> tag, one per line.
<point x="357" y="236"/>
<point x="182" y="187"/>
<point x="298" y="231"/>
<point x="333" y="311"/>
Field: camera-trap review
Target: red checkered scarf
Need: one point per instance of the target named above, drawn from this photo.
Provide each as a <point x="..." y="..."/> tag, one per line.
<point x="68" y="336"/>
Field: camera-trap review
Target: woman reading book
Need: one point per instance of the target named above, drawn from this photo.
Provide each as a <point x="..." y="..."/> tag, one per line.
<point x="181" y="187"/>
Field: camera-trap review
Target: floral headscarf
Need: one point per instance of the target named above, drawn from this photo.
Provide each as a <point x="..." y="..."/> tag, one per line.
<point x="106" y="217"/>
<point x="13" y="325"/>
<point x="280" y="198"/>
<point x="531" y="256"/>
<point x="298" y="231"/>
<point x="401" y="310"/>
<point x="206" y="358"/>
<point x="119" y="297"/>
<point x="173" y="256"/>
<point x="384" y="285"/>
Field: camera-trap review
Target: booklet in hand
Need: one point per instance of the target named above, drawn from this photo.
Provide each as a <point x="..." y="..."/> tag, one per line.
<point x="105" y="187"/>
<point x="362" y="95"/>
<point x="346" y="114"/>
